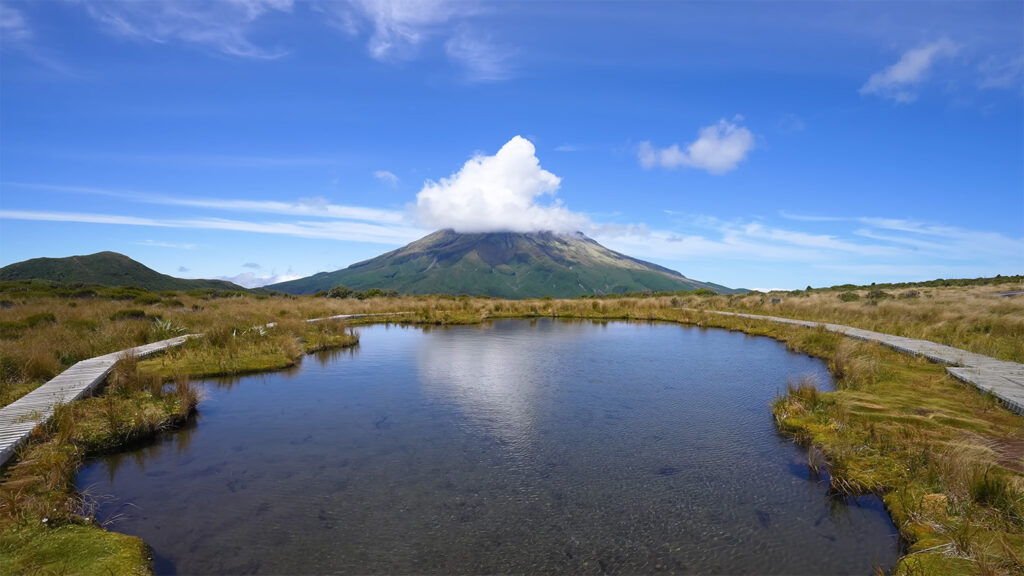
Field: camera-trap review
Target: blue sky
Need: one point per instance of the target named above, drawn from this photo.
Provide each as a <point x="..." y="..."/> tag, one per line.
<point x="759" y="145"/>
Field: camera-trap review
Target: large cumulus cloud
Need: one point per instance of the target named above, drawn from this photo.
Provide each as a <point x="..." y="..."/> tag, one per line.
<point x="500" y="193"/>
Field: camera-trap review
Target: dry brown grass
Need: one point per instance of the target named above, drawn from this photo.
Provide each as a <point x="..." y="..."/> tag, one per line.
<point x="973" y="318"/>
<point x="897" y="425"/>
<point x="84" y="328"/>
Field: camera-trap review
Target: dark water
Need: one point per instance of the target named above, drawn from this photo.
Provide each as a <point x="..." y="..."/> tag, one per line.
<point x="516" y="447"/>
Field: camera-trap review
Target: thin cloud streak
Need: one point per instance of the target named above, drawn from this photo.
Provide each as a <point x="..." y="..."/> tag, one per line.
<point x="161" y="244"/>
<point x="247" y="161"/>
<point x="899" y="81"/>
<point x="312" y="207"/>
<point x="897" y="249"/>
<point x="336" y="230"/>
<point x="220" y="26"/>
<point x="936" y="238"/>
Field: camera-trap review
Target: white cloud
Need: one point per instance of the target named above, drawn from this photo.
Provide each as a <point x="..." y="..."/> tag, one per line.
<point x="13" y="25"/>
<point x="926" y="239"/>
<point x="791" y="123"/>
<point x="329" y="230"/>
<point x="386" y="177"/>
<point x="1002" y="72"/>
<point x="401" y="28"/>
<point x="899" y="81"/>
<point x="16" y="34"/>
<point x="484" y="62"/>
<point x="740" y="252"/>
<point x="718" y="149"/>
<point x="251" y="280"/>
<point x="497" y="193"/>
<point x="313" y="207"/>
<point x="161" y="244"/>
<point x="253" y="265"/>
<point x="221" y="26"/>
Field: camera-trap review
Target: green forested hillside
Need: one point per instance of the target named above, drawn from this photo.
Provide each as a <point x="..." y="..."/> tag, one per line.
<point x="105" y="269"/>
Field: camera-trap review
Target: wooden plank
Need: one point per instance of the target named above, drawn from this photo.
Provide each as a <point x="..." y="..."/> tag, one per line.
<point x="19" y="418"/>
<point x="1004" y="380"/>
<point x="78" y="381"/>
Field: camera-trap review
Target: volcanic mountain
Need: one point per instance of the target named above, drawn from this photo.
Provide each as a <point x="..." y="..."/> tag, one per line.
<point x="504" y="265"/>
<point x="105" y="269"/>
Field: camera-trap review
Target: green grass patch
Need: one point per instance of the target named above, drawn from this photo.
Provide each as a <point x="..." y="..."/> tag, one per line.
<point x="42" y="527"/>
<point x="71" y="549"/>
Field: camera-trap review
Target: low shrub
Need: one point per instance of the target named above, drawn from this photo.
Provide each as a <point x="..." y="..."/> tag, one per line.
<point x="146" y="299"/>
<point x="10" y="371"/>
<point x="128" y="314"/>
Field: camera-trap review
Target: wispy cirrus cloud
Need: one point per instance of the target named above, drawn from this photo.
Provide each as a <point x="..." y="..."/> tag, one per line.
<point x="329" y="230"/>
<point x="718" y="149"/>
<point x="855" y="249"/>
<point x="397" y="28"/>
<point x="17" y="34"/>
<point x="164" y="244"/>
<point x="224" y="27"/>
<point x="482" y="59"/>
<point x="900" y="81"/>
<point x="14" y="27"/>
<point x="925" y="238"/>
<point x="311" y="207"/>
<point x="1002" y="72"/>
<point x="212" y="160"/>
<point x="386" y="177"/>
<point x="400" y="29"/>
<point x="394" y="30"/>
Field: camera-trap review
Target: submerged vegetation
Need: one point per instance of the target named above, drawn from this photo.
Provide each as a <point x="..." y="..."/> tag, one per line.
<point x="947" y="459"/>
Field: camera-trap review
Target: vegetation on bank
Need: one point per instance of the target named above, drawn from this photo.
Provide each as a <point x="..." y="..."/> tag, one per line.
<point x="946" y="459"/>
<point x="45" y="525"/>
<point x="44" y="328"/>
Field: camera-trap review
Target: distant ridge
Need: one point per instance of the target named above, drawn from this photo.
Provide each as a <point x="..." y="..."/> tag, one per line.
<point x="503" y="265"/>
<point x="105" y="269"/>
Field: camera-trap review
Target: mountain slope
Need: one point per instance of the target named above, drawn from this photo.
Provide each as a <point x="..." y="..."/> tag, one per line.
<point x="106" y="269"/>
<point x="504" y="265"/>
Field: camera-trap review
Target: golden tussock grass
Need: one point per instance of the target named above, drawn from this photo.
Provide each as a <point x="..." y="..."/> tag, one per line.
<point x="896" y="426"/>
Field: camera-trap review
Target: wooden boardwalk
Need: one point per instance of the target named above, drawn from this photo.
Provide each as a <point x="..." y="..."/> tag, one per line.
<point x="1005" y="380"/>
<point x="18" y="418"/>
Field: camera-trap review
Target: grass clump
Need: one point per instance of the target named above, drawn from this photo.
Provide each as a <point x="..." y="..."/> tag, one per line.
<point x="946" y="459"/>
<point x="901" y="428"/>
<point x="128" y="314"/>
<point x="226" y="351"/>
<point x="45" y="526"/>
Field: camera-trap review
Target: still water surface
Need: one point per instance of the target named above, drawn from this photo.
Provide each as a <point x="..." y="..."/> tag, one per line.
<point x="515" y="447"/>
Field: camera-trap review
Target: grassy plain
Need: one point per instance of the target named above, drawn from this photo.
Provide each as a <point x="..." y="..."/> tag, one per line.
<point x="947" y="460"/>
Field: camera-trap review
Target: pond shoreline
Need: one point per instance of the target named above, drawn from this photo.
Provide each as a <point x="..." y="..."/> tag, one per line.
<point x="796" y="339"/>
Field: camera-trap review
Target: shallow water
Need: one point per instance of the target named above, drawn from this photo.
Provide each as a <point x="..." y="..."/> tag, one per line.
<point x="514" y="447"/>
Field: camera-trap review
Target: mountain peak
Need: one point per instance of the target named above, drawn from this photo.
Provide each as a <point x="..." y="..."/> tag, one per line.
<point x="501" y="264"/>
